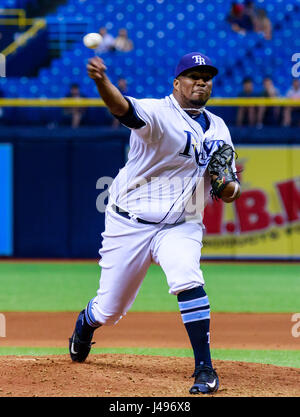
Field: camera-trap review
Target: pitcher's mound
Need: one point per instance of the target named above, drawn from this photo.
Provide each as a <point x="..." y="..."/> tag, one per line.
<point x="121" y="375"/>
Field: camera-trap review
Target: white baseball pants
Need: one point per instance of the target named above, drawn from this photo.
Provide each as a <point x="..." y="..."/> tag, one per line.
<point x="129" y="248"/>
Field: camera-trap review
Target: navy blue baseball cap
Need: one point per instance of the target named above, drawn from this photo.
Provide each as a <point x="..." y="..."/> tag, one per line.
<point x="197" y="61"/>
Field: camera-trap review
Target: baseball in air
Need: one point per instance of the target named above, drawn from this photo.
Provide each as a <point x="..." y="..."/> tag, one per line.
<point x="92" y="40"/>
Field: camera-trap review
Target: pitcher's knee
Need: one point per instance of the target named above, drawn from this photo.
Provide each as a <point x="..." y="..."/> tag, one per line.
<point x="182" y="266"/>
<point x="185" y="281"/>
<point x="109" y="319"/>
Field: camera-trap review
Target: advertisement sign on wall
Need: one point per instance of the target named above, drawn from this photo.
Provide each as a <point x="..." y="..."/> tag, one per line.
<point x="265" y="220"/>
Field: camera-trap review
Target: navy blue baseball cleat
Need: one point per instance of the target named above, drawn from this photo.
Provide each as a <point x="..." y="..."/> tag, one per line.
<point x="206" y="380"/>
<point x="80" y="342"/>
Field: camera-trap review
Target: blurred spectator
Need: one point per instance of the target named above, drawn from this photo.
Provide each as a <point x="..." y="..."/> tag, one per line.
<point x="250" y="14"/>
<point x="247" y="113"/>
<point x="271" y="113"/>
<point x="122" y="42"/>
<point x="240" y="18"/>
<point x="74" y="115"/>
<point x="250" y="8"/>
<point x="108" y="42"/>
<point x="123" y="87"/>
<point x="293" y="93"/>
<point x="263" y="24"/>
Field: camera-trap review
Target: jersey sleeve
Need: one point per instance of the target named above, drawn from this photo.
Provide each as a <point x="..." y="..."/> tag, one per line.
<point x="130" y="119"/>
<point x="145" y="114"/>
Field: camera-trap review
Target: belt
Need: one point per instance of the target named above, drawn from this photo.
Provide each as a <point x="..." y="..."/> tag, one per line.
<point x="128" y="216"/>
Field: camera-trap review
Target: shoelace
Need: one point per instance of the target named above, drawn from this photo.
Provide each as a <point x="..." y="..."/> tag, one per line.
<point x="84" y="342"/>
<point x="203" y="369"/>
<point x="81" y="342"/>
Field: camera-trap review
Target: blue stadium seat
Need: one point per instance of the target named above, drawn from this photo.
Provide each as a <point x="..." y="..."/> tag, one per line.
<point x="162" y="31"/>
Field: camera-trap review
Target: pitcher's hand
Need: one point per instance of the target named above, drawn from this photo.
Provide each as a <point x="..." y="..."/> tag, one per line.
<point x="96" y="69"/>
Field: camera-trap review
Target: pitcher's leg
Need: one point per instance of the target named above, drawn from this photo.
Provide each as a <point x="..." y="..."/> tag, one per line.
<point x="117" y="291"/>
<point x="125" y="259"/>
<point x="195" y="312"/>
<point x="178" y="252"/>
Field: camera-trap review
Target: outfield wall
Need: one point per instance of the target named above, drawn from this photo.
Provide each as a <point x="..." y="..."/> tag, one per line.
<point x="48" y="193"/>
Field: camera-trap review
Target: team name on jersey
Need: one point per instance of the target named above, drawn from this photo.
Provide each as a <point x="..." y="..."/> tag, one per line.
<point x="202" y="150"/>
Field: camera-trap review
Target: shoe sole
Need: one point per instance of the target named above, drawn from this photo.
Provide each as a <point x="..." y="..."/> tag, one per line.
<point x="203" y="389"/>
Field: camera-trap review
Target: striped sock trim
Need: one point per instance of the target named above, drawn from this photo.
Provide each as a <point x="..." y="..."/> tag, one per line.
<point x="196" y="315"/>
<point x="198" y="302"/>
<point x="195" y="310"/>
<point x="89" y="315"/>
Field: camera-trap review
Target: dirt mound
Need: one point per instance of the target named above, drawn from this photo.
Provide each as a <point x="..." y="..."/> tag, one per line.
<point x="133" y="376"/>
<point x="123" y="375"/>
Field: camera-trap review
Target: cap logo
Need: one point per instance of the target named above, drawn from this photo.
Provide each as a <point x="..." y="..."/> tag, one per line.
<point x="199" y="59"/>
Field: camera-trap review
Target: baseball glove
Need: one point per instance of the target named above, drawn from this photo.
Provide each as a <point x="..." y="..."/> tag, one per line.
<point x="220" y="165"/>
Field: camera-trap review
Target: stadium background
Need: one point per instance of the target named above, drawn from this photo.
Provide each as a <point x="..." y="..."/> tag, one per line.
<point x="49" y="171"/>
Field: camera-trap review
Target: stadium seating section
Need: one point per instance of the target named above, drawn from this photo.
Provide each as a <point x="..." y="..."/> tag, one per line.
<point x="14" y="4"/>
<point x="162" y="31"/>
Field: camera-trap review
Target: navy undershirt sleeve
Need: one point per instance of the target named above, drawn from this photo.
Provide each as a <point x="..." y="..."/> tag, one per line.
<point x="131" y="119"/>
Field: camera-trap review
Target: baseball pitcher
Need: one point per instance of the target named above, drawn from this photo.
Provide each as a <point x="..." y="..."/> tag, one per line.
<point x="181" y="155"/>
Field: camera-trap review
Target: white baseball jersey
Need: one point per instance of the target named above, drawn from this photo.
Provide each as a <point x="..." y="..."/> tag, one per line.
<point x="165" y="179"/>
<point x="166" y="167"/>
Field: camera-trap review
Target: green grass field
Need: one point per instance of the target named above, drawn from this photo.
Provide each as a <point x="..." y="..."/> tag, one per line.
<point x="50" y="286"/>
<point x="231" y="287"/>
<point x="289" y="358"/>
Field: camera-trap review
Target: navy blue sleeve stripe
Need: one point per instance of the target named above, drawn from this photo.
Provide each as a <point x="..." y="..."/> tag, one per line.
<point x="131" y="119"/>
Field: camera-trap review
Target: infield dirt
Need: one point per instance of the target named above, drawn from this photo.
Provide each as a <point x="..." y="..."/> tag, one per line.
<point x="120" y="375"/>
